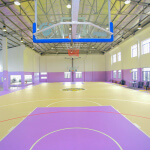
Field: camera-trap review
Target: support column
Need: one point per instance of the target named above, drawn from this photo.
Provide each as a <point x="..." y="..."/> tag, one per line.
<point x="22" y="79"/>
<point x="5" y="63"/>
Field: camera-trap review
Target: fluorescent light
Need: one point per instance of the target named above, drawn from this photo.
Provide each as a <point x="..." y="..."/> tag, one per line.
<point x="122" y="39"/>
<point x="127" y="1"/>
<point x="139" y="27"/>
<point x="16" y="2"/>
<point x="21" y="40"/>
<point x="69" y="6"/>
<point x="4" y="28"/>
<point x="148" y="12"/>
<point x="69" y="28"/>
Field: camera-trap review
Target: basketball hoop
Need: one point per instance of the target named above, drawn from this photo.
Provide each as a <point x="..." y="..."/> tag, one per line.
<point x="73" y="52"/>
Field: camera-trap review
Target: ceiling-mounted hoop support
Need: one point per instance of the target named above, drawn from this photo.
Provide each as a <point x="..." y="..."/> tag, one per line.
<point x="69" y="40"/>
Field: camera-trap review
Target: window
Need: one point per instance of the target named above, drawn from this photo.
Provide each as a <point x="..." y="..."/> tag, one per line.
<point x="119" y="56"/>
<point x="67" y="75"/>
<point x="28" y="79"/>
<point x="43" y="77"/>
<point x="119" y="74"/>
<point x="114" y="74"/>
<point x="15" y="79"/>
<point x="134" y="74"/>
<point x="146" y="74"/>
<point x="114" y="58"/>
<point x="78" y="74"/>
<point x="134" y="50"/>
<point x="43" y="73"/>
<point x="146" y="46"/>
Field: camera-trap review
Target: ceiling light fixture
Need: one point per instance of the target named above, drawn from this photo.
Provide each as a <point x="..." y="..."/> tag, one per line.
<point x="122" y="39"/>
<point x="68" y="6"/>
<point x="127" y="1"/>
<point x="139" y="27"/>
<point x="21" y="40"/>
<point x="4" y="28"/>
<point x="16" y="2"/>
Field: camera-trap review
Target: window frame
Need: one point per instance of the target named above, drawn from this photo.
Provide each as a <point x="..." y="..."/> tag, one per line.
<point x="146" y="74"/>
<point x="144" y="43"/>
<point x="114" y="60"/>
<point x="134" y="74"/>
<point x="78" y="75"/>
<point x="67" y="75"/>
<point x="114" y="72"/>
<point x="119" y="56"/>
<point x="133" y="48"/>
<point x="119" y="74"/>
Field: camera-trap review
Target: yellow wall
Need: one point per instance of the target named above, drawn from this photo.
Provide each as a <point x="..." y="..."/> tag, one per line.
<point x="31" y="60"/>
<point x="59" y="63"/>
<point x="141" y="61"/>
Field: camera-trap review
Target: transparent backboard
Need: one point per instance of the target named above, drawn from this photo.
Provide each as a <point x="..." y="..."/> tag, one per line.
<point x="54" y="22"/>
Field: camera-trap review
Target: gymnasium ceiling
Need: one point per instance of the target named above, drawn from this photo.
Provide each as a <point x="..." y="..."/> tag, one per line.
<point x="19" y="19"/>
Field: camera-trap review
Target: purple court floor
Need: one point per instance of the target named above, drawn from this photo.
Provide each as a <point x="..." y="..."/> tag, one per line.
<point x="76" y="128"/>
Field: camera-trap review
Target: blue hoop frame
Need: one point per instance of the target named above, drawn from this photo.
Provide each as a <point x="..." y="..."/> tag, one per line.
<point x="69" y="40"/>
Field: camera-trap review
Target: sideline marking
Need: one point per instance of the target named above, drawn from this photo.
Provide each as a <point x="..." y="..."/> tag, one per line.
<point x="79" y="128"/>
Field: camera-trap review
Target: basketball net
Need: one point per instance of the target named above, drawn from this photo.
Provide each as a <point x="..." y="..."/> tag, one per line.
<point x="73" y="52"/>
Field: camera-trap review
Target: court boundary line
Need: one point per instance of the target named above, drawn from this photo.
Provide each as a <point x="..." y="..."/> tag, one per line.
<point x="17" y="125"/>
<point x="130" y="121"/>
<point x="79" y="128"/>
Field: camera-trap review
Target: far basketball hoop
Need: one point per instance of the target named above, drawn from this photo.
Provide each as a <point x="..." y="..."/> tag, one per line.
<point x="73" y="52"/>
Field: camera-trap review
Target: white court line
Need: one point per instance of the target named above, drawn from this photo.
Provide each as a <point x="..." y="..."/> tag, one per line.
<point x="79" y="128"/>
<point x="131" y="122"/>
<point x="76" y="98"/>
<point x="17" y="125"/>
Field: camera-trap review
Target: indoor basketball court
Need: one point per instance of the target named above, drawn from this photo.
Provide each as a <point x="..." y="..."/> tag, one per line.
<point x="74" y="75"/>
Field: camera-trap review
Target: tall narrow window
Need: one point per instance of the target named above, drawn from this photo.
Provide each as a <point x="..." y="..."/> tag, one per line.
<point x="134" y="74"/>
<point x="114" y="58"/>
<point x="114" y="74"/>
<point x="119" y="56"/>
<point x="119" y="74"/>
<point x="134" y="50"/>
<point x="146" y="74"/>
<point x="146" y="46"/>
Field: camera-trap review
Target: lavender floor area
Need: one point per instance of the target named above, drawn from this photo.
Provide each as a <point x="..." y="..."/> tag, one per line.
<point x="76" y="128"/>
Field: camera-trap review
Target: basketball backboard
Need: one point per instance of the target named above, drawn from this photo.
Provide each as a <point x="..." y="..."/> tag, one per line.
<point x="85" y="21"/>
